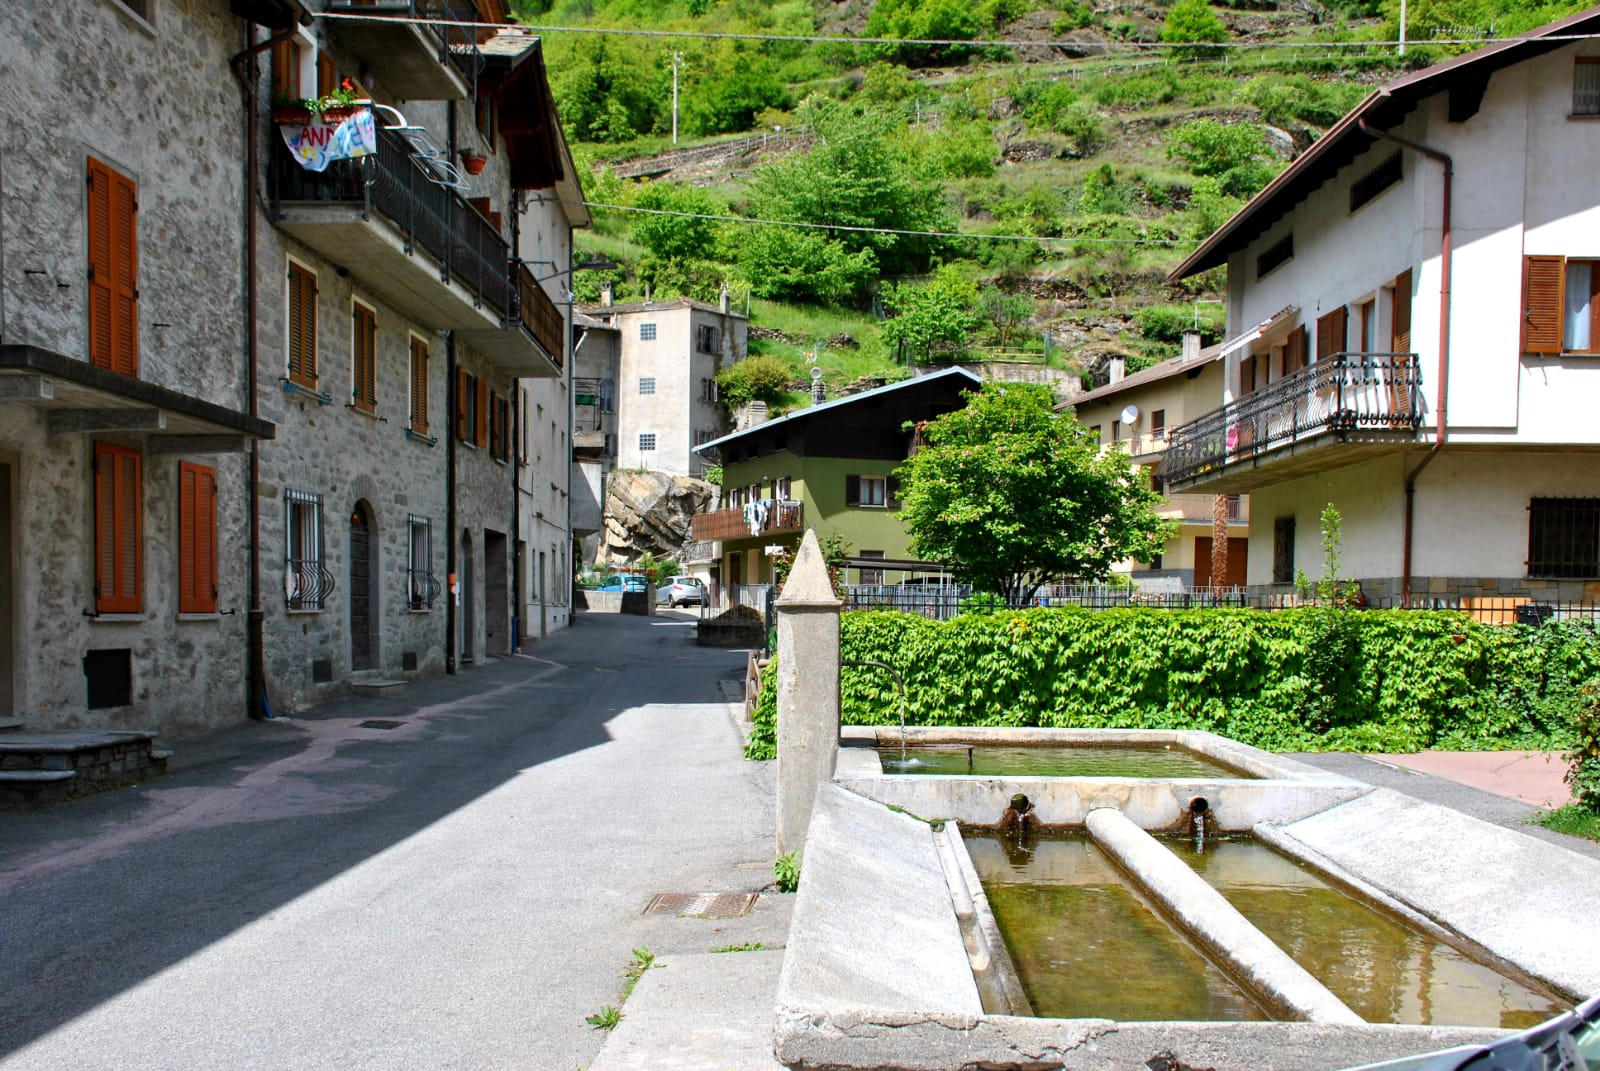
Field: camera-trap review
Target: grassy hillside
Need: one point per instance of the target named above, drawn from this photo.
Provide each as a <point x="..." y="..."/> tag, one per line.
<point x="1065" y="172"/>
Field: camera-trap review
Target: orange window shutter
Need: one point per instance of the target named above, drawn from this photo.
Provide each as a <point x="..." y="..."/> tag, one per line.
<point x="482" y="430"/>
<point x="419" y="386"/>
<point x="1543" y="280"/>
<point x="188" y="578"/>
<point x="124" y="276"/>
<point x="327" y="77"/>
<point x="101" y="267"/>
<point x="118" y="555"/>
<point x="302" y="326"/>
<point x="366" y="359"/>
<point x="197" y="539"/>
<point x="463" y="390"/>
<point x="286" y="70"/>
<point x="1400" y="333"/>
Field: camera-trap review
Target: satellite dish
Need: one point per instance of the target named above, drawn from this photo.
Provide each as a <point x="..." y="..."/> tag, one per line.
<point x="816" y="373"/>
<point x="1130" y="414"/>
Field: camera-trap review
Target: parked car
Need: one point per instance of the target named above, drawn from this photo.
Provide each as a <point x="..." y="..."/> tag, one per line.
<point x="625" y="582"/>
<point x="681" y="591"/>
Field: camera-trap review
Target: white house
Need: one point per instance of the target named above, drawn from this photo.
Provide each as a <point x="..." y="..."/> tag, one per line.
<point x="1412" y="337"/>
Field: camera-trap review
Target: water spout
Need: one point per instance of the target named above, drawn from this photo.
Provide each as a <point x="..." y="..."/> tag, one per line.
<point x="900" y="682"/>
<point x="1198" y="809"/>
<point x="1019" y="816"/>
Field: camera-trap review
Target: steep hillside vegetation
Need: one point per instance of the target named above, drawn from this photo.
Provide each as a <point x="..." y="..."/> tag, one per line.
<point x="1019" y="189"/>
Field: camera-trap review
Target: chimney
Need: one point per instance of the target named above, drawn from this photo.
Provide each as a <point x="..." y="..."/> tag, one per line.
<point x="724" y="300"/>
<point x="647" y="289"/>
<point x="605" y="294"/>
<point x="753" y="414"/>
<point x="1118" y="369"/>
<point x="1191" y="345"/>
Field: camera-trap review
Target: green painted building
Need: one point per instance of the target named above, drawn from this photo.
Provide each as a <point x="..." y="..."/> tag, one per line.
<point x="828" y="467"/>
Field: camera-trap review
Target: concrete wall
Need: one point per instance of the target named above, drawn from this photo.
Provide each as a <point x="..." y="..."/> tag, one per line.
<point x="155" y="101"/>
<point x="1471" y="523"/>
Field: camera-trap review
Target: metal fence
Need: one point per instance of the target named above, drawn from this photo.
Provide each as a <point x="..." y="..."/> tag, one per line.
<point x="943" y="602"/>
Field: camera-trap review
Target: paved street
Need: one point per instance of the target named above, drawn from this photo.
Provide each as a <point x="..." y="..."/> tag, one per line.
<point x="459" y="891"/>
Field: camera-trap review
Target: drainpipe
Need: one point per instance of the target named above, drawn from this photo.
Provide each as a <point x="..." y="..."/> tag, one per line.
<point x="518" y="603"/>
<point x="246" y="71"/>
<point x="1441" y="407"/>
<point x="452" y="407"/>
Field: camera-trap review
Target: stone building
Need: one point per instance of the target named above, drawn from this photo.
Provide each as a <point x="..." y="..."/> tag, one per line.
<point x="396" y="351"/>
<point x="125" y="400"/>
<point x="595" y="360"/>
<point x="669" y="354"/>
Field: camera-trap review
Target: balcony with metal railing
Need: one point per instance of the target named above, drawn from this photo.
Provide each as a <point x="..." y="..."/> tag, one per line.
<point x="413" y="48"/>
<point x="419" y="246"/>
<point x="1343" y="408"/>
<point x="752" y="521"/>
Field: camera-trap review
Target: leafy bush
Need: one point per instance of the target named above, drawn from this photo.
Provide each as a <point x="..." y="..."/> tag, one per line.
<point x="924" y="20"/>
<point x="1584" y="774"/>
<point x="676" y="236"/>
<point x="1103" y="194"/>
<point x="1192" y="24"/>
<point x="1402" y="680"/>
<point x="1287" y="99"/>
<point x="760" y="377"/>
<point x="1236" y="154"/>
<point x="1167" y="323"/>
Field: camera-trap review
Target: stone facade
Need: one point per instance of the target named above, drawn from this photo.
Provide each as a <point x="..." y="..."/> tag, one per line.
<point x="159" y="106"/>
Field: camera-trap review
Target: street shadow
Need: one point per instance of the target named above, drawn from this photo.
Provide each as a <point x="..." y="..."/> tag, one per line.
<point x="98" y="895"/>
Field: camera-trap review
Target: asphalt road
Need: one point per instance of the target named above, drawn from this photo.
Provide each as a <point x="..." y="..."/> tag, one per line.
<point x="459" y="891"/>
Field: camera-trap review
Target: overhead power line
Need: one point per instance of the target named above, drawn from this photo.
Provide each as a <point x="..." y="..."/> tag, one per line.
<point x="1136" y="46"/>
<point x="856" y="229"/>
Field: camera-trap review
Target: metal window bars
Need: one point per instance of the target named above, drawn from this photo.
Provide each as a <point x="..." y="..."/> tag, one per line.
<point x="306" y="583"/>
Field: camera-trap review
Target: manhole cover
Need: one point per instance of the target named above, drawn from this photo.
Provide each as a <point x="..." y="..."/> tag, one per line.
<point x="379" y="723"/>
<point x="705" y="905"/>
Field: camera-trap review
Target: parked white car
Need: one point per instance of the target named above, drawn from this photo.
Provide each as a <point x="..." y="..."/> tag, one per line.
<point x="681" y="591"/>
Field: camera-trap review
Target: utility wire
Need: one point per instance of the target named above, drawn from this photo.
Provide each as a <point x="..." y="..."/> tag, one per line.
<point x="1137" y="46"/>
<point x="856" y="229"/>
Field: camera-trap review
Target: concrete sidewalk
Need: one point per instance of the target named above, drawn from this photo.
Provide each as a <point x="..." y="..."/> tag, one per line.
<point x="1534" y="777"/>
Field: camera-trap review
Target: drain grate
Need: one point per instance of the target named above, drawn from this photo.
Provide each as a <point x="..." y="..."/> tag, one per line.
<point x="705" y="905"/>
<point x="379" y="723"/>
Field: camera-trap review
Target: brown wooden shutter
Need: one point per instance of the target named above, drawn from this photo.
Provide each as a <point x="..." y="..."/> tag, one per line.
<point x="852" y="490"/>
<point x="327" y="77"/>
<point x="365" y="358"/>
<point x="1400" y="332"/>
<point x="481" y="438"/>
<point x="1543" y="280"/>
<point x="1331" y="332"/>
<point x="197" y="539"/>
<point x="302" y="326"/>
<point x="1247" y="384"/>
<point x="286" y="70"/>
<point x="113" y="270"/>
<point x="419" y="386"/>
<point x="463" y="393"/>
<point x="1299" y="346"/>
<point x="494" y="425"/>
<point x="118" y="555"/>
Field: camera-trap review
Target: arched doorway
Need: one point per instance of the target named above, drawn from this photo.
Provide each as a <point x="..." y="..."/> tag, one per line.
<point x="469" y="601"/>
<point x="363" y="590"/>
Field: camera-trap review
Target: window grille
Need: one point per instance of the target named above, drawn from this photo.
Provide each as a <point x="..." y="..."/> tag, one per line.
<point x="647" y="384"/>
<point x="1374" y="182"/>
<point x="1586" y="87"/>
<point x="1564" y="537"/>
<point x="1276" y="254"/>
<point x="647" y="332"/>
<point x="647" y="440"/>
<point x="306" y="582"/>
<point x="422" y="587"/>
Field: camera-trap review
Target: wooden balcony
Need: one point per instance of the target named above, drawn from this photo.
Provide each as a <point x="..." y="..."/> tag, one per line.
<point x="782" y="518"/>
<point x="1338" y="411"/>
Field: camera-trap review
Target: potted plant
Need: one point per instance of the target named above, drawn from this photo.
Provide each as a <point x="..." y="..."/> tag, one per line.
<point x="473" y="161"/>
<point x="336" y="107"/>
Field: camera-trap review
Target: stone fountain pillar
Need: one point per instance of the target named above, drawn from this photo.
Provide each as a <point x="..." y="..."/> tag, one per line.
<point x="808" y="690"/>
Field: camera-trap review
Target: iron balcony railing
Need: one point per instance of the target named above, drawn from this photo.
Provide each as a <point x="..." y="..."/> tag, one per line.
<point x="457" y="44"/>
<point x="539" y="315"/>
<point x="394" y="185"/>
<point x="1342" y="394"/>
<point x="769" y="517"/>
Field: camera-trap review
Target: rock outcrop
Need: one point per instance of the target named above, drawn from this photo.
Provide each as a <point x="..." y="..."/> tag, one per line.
<point x="651" y="511"/>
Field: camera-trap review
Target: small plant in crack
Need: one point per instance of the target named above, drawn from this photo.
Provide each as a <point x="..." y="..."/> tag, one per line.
<point x="748" y="946"/>
<point x="786" y="872"/>
<point x="643" y="960"/>
<point x="606" y="1018"/>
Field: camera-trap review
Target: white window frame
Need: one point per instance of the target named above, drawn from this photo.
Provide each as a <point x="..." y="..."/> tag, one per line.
<point x="865" y="495"/>
<point x="647" y="331"/>
<point x="420" y="593"/>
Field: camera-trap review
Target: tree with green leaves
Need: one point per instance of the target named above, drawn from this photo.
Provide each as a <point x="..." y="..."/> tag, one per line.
<point x="1235" y="154"/>
<point x="1013" y="496"/>
<point x="940" y="312"/>
<point x="1192" y="25"/>
<point x="761" y="377"/>
<point x="676" y="234"/>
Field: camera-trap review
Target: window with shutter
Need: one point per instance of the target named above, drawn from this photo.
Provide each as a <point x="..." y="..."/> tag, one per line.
<point x="117" y="530"/>
<point x="1543" y="280"/>
<point x="495" y="439"/>
<point x="285" y="71"/>
<point x="1295" y="353"/>
<point x="302" y="326"/>
<point x="464" y="396"/>
<point x="113" y="270"/>
<point x="197" y="539"/>
<point x="1400" y="321"/>
<point x="1330" y="333"/>
<point x="364" y="359"/>
<point x="481" y="415"/>
<point x="419" y="385"/>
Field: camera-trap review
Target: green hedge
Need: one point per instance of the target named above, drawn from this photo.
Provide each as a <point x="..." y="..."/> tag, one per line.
<point x="1290" y="680"/>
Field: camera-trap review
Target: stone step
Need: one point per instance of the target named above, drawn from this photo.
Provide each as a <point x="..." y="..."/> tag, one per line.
<point x="698" y="1012"/>
<point x="10" y="725"/>
<point x="377" y="686"/>
<point x="43" y="767"/>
